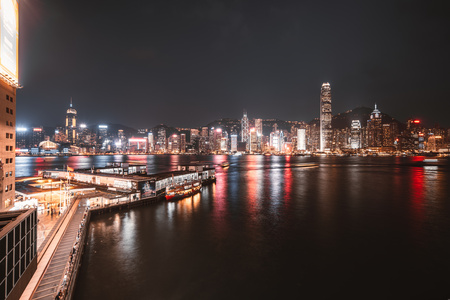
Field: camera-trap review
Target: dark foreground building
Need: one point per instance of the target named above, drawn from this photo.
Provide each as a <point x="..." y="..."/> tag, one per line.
<point x="18" y="259"/>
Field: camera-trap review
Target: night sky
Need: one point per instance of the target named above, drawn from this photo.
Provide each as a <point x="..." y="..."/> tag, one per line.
<point x="187" y="63"/>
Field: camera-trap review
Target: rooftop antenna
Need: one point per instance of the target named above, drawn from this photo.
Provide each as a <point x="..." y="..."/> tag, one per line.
<point x="70" y="101"/>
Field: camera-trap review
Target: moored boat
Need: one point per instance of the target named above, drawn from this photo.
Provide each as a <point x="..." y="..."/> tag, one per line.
<point x="183" y="190"/>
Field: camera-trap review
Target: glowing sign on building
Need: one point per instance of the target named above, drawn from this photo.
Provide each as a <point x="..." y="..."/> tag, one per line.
<point x="9" y="41"/>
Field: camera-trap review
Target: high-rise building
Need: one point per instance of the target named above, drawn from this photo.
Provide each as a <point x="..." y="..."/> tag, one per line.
<point x="388" y="137"/>
<point x="374" y="129"/>
<point x="183" y="143"/>
<point x="8" y="84"/>
<point x="161" y="142"/>
<point x="173" y="143"/>
<point x="102" y="131"/>
<point x="245" y="134"/>
<point x="277" y="140"/>
<point x="253" y="141"/>
<point x="326" y="134"/>
<point x="151" y="142"/>
<point x="301" y="139"/>
<point x="234" y="138"/>
<point x="259" y="132"/>
<point x="217" y="139"/>
<point x="71" y="124"/>
<point x="259" y="127"/>
<point x="22" y="137"/>
<point x="355" y="139"/>
<point x="37" y="136"/>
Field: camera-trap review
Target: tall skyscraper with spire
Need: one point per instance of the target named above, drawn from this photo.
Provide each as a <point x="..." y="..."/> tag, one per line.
<point x="326" y="133"/>
<point x="245" y="134"/>
<point x="375" y="128"/>
<point x="71" y="124"/>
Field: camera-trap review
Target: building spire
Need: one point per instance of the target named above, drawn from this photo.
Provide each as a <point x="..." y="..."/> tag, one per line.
<point x="70" y="101"/>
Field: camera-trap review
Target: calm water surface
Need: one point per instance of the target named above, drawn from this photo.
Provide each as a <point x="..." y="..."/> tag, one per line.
<point x="351" y="228"/>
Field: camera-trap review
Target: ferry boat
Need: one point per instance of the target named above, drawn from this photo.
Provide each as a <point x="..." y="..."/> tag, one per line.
<point x="184" y="190"/>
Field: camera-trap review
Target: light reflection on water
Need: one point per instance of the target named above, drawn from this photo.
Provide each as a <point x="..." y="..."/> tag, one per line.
<point x="354" y="228"/>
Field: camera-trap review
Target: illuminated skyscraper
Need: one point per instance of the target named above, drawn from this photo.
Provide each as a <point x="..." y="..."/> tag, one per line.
<point x="183" y="143"/>
<point x="326" y="134"/>
<point x="355" y="139"/>
<point x="234" y="138"/>
<point x="71" y="124"/>
<point x="151" y="142"/>
<point x="245" y="130"/>
<point x="374" y="129"/>
<point x="254" y="146"/>
<point x="301" y="139"/>
<point x="161" y="142"/>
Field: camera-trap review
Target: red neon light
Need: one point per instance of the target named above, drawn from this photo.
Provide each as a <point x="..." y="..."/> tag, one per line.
<point x="416" y="121"/>
<point x="37" y="129"/>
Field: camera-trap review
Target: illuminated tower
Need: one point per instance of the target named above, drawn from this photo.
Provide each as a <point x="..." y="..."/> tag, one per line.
<point x="325" y="118"/>
<point x="355" y="139"/>
<point x="71" y="124"/>
<point x="375" y="128"/>
<point x="245" y="129"/>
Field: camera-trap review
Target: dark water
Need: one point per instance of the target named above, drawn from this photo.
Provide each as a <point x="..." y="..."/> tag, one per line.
<point x="352" y="228"/>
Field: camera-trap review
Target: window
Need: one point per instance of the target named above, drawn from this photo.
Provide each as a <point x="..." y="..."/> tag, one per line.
<point x="6" y="174"/>
<point x="7" y="148"/>
<point x="7" y="135"/>
<point x="11" y="135"/>
<point x="11" y="99"/>
<point x="11" y="124"/>
<point x="7" y="110"/>
<point x="11" y="111"/>
<point x="7" y="97"/>
<point x="10" y="173"/>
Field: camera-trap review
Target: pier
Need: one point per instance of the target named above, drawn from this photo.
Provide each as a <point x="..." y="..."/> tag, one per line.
<point x="59" y="256"/>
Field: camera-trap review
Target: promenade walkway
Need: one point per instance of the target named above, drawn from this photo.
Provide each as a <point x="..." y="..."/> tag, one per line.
<point x="51" y="268"/>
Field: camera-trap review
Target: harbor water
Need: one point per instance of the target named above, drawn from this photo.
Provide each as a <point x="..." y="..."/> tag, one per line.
<point x="275" y="227"/>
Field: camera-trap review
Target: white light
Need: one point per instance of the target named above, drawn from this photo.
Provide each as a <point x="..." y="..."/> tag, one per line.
<point x="21" y="129"/>
<point x="83" y="126"/>
<point x="103" y="126"/>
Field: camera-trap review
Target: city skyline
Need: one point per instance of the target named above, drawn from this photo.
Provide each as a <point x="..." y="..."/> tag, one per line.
<point x="215" y="58"/>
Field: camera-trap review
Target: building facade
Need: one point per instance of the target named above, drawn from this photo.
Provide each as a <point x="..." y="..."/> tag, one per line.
<point x="325" y="118"/>
<point x="245" y="134"/>
<point x="8" y="142"/>
<point x="71" y="125"/>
